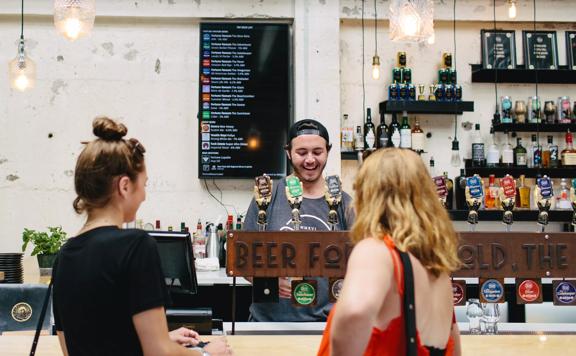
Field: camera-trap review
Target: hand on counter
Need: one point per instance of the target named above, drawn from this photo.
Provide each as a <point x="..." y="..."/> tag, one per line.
<point x="184" y="336"/>
<point x="218" y="347"/>
<point x="285" y="287"/>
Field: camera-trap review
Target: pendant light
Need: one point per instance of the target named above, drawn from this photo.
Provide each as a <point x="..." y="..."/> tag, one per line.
<point x="512" y="9"/>
<point x="22" y="70"/>
<point x="411" y="20"/>
<point x="74" y="18"/>
<point x="375" y="59"/>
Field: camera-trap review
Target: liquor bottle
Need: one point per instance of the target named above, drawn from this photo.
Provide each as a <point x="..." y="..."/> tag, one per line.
<point x="369" y="132"/>
<point x="493" y="154"/>
<point x="491" y="199"/>
<point x="157" y="225"/>
<point x="519" y="153"/>
<point x="346" y="135"/>
<point x="199" y="244"/>
<point x="394" y="140"/>
<point x="563" y="196"/>
<point x="238" y="223"/>
<point x="522" y="194"/>
<point x="382" y="132"/>
<point x="534" y="157"/>
<point x="431" y="168"/>
<point x="418" y="138"/>
<point x="553" y="152"/>
<point x="450" y="188"/>
<point x="405" y="132"/>
<point x="478" y="157"/>
<point x="546" y="153"/>
<point x="460" y="189"/>
<point x="359" y="139"/>
<point x="221" y="233"/>
<point x="507" y="153"/>
<point x="569" y="153"/>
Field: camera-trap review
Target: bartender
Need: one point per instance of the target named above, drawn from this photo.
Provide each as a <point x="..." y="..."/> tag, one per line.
<point x="307" y="150"/>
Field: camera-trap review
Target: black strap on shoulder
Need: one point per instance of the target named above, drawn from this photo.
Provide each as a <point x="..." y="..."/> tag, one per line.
<point x="342" y="215"/>
<point x="409" y="305"/>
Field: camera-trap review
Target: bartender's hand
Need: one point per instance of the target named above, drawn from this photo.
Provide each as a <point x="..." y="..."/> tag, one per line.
<point x="218" y="347"/>
<point x="184" y="336"/>
<point x="285" y="287"/>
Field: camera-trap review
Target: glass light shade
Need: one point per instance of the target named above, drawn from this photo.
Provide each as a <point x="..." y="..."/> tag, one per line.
<point x="512" y="9"/>
<point x="22" y="72"/>
<point x="376" y="67"/>
<point x="411" y="20"/>
<point x="455" y="154"/>
<point x="74" y="18"/>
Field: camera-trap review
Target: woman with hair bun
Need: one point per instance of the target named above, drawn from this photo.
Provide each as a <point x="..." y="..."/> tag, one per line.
<point x="397" y="294"/>
<point x="109" y="290"/>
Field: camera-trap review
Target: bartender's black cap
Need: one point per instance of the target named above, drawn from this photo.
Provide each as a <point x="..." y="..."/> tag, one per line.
<point x="308" y="127"/>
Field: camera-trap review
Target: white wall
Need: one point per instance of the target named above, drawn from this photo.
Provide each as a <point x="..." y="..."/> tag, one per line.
<point x="113" y="72"/>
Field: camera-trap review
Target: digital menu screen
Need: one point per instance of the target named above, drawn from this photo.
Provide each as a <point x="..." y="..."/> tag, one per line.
<point x="244" y="99"/>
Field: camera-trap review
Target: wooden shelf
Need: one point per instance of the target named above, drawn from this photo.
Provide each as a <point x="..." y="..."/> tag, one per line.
<point x="426" y="107"/>
<point x="534" y="127"/>
<point x="563" y="75"/>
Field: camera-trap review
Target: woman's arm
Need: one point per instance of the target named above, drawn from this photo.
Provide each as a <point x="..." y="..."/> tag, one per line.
<point x="62" y="340"/>
<point x="369" y="275"/>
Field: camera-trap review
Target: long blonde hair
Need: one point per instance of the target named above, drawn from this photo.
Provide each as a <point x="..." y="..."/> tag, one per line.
<point x="395" y="196"/>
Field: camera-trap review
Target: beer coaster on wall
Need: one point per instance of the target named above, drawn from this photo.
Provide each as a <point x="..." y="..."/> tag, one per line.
<point x="304" y="292"/>
<point x="335" y="288"/>
<point x="492" y="290"/>
<point x="564" y="292"/>
<point x="459" y="292"/>
<point x="540" y="49"/>
<point x="528" y="290"/>
<point x="498" y="49"/>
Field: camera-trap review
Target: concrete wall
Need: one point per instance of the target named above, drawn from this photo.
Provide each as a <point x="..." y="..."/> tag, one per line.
<point x="140" y="64"/>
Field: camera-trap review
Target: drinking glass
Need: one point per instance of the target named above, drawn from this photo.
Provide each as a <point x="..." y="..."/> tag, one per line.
<point x="474" y="313"/>
<point x="491" y="317"/>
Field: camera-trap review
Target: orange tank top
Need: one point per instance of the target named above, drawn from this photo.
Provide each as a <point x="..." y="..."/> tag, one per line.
<point x="392" y="340"/>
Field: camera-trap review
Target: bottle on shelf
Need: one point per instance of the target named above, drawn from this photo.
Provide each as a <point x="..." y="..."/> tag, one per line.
<point x="346" y="135"/>
<point x="405" y="132"/>
<point x="493" y="152"/>
<point x="563" y="196"/>
<point x="460" y="189"/>
<point x="491" y="199"/>
<point x="382" y="132"/>
<point x="507" y="153"/>
<point x="450" y="189"/>
<point x="157" y="225"/>
<point x="359" y="139"/>
<point x="478" y="154"/>
<point x="418" y="138"/>
<point x="369" y="132"/>
<point x="522" y="194"/>
<point x="394" y="140"/>
<point x="520" y="154"/>
<point x="534" y="158"/>
<point x="550" y="154"/>
<point x="569" y="153"/>
<point x="199" y="243"/>
<point x="221" y="243"/>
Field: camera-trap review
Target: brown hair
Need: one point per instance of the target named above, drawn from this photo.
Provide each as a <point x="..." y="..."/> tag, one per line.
<point x="102" y="161"/>
<point x="395" y="196"/>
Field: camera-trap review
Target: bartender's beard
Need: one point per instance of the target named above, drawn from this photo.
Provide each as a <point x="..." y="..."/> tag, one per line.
<point x="309" y="176"/>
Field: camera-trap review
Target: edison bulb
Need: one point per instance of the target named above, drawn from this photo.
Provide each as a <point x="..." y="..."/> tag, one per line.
<point x="432" y="39"/>
<point x="455" y="156"/>
<point x="72" y="28"/>
<point x="376" y="72"/>
<point x="512" y="9"/>
<point x="21" y="82"/>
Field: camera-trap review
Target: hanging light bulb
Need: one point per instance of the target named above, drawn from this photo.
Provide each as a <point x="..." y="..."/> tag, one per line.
<point x="512" y="9"/>
<point x="376" y="67"/>
<point x="411" y="20"/>
<point x="432" y="39"/>
<point x="455" y="157"/>
<point x="74" y="18"/>
<point x="22" y="70"/>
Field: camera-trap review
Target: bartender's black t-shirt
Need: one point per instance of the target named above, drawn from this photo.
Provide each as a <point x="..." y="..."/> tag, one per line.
<point x="101" y="279"/>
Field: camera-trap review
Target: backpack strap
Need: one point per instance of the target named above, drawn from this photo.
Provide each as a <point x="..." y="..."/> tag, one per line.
<point x="409" y="305"/>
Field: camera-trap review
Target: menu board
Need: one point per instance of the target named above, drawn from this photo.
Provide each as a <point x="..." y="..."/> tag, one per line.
<point x="244" y="99"/>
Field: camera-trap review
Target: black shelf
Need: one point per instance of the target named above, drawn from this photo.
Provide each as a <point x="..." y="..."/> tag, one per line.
<point x="349" y="156"/>
<point x="563" y="75"/>
<point x="561" y="172"/>
<point x="519" y="215"/>
<point x="426" y="107"/>
<point x="534" y="127"/>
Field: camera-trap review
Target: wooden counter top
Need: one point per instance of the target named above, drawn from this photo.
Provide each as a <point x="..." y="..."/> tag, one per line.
<point x="509" y="345"/>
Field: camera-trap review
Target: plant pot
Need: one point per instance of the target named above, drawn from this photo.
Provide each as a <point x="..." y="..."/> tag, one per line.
<point x="46" y="260"/>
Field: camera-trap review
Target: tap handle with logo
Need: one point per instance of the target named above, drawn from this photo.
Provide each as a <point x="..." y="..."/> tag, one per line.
<point x="507" y="194"/>
<point x="543" y="194"/>
<point x="262" y="196"/>
<point x="474" y="194"/>
<point x="333" y="197"/>
<point x="294" y="192"/>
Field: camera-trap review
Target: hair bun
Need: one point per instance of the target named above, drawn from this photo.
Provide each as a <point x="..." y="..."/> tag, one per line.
<point x="108" y="129"/>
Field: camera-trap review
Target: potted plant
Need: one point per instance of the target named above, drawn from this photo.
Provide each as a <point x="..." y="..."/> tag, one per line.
<point x="46" y="244"/>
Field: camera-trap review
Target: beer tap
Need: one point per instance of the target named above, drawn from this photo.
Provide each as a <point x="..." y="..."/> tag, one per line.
<point x="294" y="191"/>
<point x="262" y="196"/>
<point x="474" y="194"/>
<point x="573" y="200"/>
<point x="441" y="189"/>
<point x="333" y="197"/>
<point x="507" y="194"/>
<point x="543" y="195"/>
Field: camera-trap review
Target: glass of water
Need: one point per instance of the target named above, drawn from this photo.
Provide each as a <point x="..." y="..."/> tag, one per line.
<point x="491" y="317"/>
<point x="474" y="313"/>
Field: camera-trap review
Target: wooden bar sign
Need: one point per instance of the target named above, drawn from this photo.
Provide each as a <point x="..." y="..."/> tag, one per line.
<point x="287" y="253"/>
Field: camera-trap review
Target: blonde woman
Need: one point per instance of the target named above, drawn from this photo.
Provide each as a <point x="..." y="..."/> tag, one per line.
<point x="397" y="295"/>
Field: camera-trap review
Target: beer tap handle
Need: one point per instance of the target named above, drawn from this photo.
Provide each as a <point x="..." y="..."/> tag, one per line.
<point x="294" y="191"/>
<point x="262" y="196"/>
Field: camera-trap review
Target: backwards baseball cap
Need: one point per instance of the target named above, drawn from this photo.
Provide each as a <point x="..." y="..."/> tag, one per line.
<point x="308" y="127"/>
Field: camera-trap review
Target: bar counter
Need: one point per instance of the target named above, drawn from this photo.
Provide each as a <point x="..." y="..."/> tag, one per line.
<point x="249" y="345"/>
